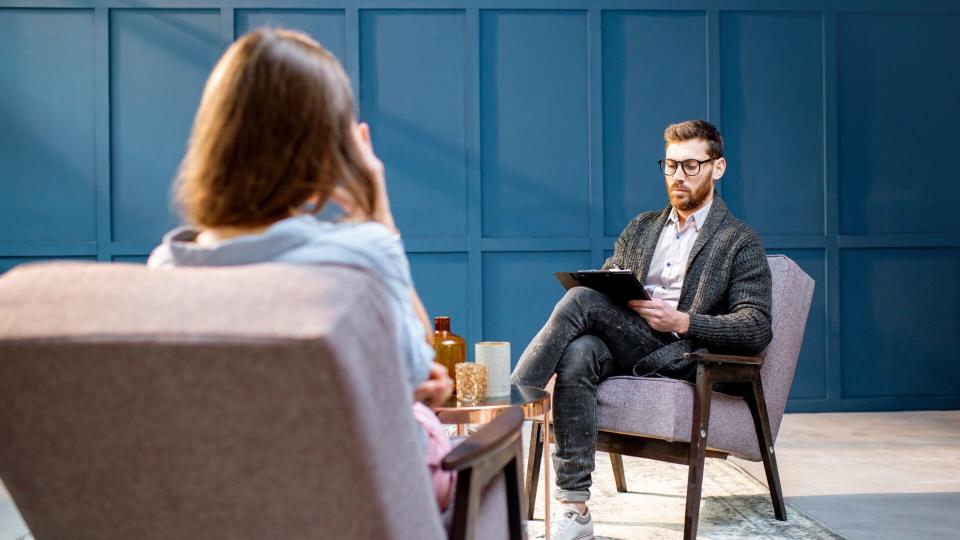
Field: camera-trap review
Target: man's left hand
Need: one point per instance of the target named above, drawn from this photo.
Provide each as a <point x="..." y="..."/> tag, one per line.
<point x="661" y="316"/>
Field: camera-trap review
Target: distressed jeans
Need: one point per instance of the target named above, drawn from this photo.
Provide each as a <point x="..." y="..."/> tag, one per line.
<point x="587" y="339"/>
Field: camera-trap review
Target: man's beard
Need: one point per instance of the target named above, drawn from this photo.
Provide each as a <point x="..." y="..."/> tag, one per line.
<point x="694" y="198"/>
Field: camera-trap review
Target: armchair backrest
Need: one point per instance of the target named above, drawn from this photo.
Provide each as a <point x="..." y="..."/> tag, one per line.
<point x="792" y="295"/>
<point x="260" y="401"/>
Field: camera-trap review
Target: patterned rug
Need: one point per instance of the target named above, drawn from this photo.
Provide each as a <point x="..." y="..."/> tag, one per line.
<point x="734" y="504"/>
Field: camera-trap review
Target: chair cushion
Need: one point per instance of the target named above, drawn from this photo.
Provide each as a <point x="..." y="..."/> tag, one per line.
<point x="666" y="406"/>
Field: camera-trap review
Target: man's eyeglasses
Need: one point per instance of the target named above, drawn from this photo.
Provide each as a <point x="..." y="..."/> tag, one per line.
<point x="690" y="166"/>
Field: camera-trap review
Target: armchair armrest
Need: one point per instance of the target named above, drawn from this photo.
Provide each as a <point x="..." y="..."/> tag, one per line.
<point x="724" y="359"/>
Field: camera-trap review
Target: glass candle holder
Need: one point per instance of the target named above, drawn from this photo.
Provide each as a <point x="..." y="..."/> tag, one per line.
<point x="471" y="382"/>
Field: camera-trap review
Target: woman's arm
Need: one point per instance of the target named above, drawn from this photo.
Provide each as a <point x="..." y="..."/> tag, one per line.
<point x="437" y="386"/>
<point x="421" y="314"/>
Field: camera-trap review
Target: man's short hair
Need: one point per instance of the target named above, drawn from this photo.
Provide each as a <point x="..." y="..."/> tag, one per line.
<point x="696" y="129"/>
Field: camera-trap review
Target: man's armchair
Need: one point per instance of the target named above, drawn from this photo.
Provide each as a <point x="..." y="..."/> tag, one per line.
<point x="657" y="418"/>
<point x="260" y="401"/>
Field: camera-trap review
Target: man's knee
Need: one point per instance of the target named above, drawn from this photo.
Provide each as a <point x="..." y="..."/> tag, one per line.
<point x="583" y="356"/>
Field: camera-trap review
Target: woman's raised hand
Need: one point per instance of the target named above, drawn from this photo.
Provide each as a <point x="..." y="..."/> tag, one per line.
<point x="382" y="212"/>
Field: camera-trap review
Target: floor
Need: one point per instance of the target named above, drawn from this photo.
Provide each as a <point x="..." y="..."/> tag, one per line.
<point x="870" y="476"/>
<point x="873" y="475"/>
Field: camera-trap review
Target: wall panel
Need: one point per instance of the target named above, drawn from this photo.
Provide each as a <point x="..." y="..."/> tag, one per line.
<point x="650" y="80"/>
<point x="534" y="124"/>
<point x="897" y="87"/>
<point x="412" y="95"/>
<point x="441" y="280"/>
<point x="159" y="62"/>
<point x="47" y="176"/>
<point x="519" y="293"/>
<point x="771" y="69"/>
<point x="900" y="322"/>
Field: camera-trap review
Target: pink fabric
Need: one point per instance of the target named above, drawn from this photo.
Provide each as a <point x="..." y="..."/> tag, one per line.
<point x="438" y="446"/>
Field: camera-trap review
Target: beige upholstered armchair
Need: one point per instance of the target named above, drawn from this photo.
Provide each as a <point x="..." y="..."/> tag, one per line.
<point x="658" y="417"/>
<point x="242" y="402"/>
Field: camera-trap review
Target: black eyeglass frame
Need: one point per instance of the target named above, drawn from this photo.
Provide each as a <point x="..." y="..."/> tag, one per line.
<point x="683" y="164"/>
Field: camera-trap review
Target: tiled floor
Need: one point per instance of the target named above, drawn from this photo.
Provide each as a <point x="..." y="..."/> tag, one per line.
<point x="873" y="475"/>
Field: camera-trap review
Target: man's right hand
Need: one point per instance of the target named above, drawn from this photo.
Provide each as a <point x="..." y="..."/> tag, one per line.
<point x="661" y="316"/>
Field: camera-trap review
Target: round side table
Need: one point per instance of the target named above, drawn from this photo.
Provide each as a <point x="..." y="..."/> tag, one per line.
<point x="534" y="402"/>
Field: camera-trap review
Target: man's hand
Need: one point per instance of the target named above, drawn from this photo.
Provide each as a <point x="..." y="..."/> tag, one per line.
<point x="436" y="389"/>
<point x="661" y="316"/>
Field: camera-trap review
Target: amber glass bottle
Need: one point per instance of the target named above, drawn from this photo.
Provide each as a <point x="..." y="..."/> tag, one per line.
<point x="451" y="348"/>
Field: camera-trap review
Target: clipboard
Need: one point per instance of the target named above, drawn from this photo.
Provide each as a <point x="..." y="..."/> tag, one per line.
<point x="620" y="285"/>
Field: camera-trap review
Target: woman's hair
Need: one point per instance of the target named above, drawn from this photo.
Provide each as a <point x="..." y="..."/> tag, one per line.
<point x="274" y="129"/>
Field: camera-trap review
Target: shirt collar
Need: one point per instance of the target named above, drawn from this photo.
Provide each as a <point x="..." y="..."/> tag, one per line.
<point x="280" y="237"/>
<point x="699" y="217"/>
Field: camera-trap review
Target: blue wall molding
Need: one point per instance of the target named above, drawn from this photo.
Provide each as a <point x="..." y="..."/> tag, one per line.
<point x="520" y="137"/>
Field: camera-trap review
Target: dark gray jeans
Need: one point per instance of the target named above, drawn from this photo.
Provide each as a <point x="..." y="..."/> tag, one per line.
<point x="586" y="340"/>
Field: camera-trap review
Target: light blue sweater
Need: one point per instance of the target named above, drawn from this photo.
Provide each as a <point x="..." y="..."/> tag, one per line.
<point x="304" y="239"/>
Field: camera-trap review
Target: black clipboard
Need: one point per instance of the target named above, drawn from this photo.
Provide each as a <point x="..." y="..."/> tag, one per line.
<point x="620" y="285"/>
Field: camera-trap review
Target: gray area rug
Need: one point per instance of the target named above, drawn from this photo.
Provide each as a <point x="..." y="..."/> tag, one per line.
<point x="734" y="504"/>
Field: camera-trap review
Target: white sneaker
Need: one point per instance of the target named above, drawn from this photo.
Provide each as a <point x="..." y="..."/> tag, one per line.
<point x="568" y="524"/>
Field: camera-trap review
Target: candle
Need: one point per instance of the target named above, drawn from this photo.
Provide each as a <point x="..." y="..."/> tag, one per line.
<point x="496" y="356"/>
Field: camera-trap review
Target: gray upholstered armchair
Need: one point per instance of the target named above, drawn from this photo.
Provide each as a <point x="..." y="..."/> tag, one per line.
<point x="657" y="417"/>
<point x="242" y="402"/>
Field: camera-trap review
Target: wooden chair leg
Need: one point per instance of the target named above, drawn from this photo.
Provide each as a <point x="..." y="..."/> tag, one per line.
<point x="467" y="506"/>
<point x="534" y="458"/>
<point x="761" y="422"/>
<point x="616" y="460"/>
<point x="513" y="473"/>
<point x="698" y="449"/>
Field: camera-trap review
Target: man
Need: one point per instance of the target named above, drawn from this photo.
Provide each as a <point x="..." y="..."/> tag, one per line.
<point x="709" y="281"/>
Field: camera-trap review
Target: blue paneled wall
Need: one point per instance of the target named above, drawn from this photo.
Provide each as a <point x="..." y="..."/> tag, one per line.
<point x="520" y="137"/>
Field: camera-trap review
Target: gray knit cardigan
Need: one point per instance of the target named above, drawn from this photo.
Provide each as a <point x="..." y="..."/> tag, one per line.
<point x="726" y="289"/>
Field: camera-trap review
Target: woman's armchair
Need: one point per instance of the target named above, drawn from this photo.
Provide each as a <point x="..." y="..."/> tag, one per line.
<point x="236" y="402"/>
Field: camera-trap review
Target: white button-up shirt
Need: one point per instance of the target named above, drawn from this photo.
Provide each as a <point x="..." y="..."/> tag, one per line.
<point x="669" y="264"/>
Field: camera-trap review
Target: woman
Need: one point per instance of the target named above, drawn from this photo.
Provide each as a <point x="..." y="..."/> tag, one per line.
<point x="273" y="141"/>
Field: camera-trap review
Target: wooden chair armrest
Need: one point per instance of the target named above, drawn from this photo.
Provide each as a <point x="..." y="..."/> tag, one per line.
<point x="724" y="359"/>
<point x="487" y="441"/>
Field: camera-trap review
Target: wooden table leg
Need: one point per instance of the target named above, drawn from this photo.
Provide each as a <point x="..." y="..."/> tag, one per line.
<point x="546" y="467"/>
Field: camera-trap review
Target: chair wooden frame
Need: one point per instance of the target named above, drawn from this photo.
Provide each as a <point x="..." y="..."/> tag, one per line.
<point x="493" y="449"/>
<point x="740" y="374"/>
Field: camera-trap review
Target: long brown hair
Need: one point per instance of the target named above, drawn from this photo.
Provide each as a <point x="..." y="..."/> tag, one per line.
<point x="274" y="129"/>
